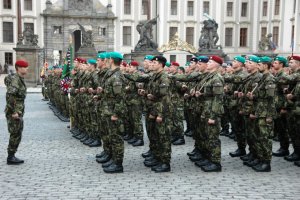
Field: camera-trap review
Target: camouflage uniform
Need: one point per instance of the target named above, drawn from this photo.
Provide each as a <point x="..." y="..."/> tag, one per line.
<point x="15" y="97"/>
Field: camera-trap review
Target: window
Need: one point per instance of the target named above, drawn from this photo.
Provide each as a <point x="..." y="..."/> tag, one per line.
<point x="102" y="31"/>
<point x="229" y="9"/>
<point x="7" y="4"/>
<point x="172" y="58"/>
<point x="190" y="8"/>
<point x="190" y="35"/>
<point x="145" y="7"/>
<point x="30" y="26"/>
<point x="57" y="30"/>
<point x="206" y="7"/>
<point x="243" y="37"/>
<point x="8" y="32"/>
<point x="8" y="58"/>
<point x="244" y="9"/>
<point x="173" y="7"/>
<point x="127" y="35"/>
<point x="265" y="8"/>
<point x="127" y="7"/>
<point x="188" y="58"/>
<point x="263" y="32"/>
<point x="275" y="35"/>
<point x="27" y="4"/>
<point x="173" y="31"/>
<point x="228" y="37"/>
<point x="277" y="7"/>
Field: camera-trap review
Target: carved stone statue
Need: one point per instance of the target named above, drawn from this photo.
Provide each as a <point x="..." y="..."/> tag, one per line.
<point x="87" y="37"/>
<point x="28" y="38"/>
<point x="209" y="35"/>
<point x="81" y="4"/>
<point x="266" y="43"/>
<point x="145" y="30"/>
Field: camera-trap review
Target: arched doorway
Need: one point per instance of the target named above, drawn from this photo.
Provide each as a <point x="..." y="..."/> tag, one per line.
<point x="77" y="40"/>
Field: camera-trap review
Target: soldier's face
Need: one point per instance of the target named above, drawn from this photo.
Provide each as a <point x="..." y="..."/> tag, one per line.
<point x="202" y="66"/>
<point x="22" y="71"/>
<point x="236" y="64"/>
<point x="262" y="67"/>
<point x="251" y="66"/>
<point x="193" y="65"/>
<point x="212" y="65"/>
<point x="277" y="65"/>
<point x="294" y="65"/>
<point x="156" y="66"/>
<point x="100" y="63"/>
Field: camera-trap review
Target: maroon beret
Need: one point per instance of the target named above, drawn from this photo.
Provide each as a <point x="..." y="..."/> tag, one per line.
<point x="134" y="63"/>
<point x="216" y="59"/>
<point x="295" y="58"/>
<point x="21" y="63"/>
<point x="82" y="60"/>
<point x="175" y="64"/>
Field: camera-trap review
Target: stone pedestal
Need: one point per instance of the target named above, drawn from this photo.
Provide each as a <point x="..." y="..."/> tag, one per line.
<point x="33" y="55"/>
<point x="139" y="55"/>
<point x="86" y="52"/>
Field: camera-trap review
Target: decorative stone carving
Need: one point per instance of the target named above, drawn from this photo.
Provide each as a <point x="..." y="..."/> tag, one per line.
<point x="87" y="37"/>
<point x="28" y="38"/>
<point x="209" y="34"/>
<point x="145" y="29"/>
<point x="177" y="44"/>
<point x="81" y="4"/>
<point x="266" y="44"/>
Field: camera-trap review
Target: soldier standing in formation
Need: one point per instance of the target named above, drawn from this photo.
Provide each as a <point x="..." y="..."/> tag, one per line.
<point x="14" y="110"/>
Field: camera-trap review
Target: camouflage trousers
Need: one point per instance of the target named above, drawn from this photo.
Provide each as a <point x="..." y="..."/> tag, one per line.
<point x="294" y="131"/>
<point x="213" y="143"/>
<point x="116" y="129"/>
<point x="160" y="136"/>
<point x="135" y="126"/>
<point x="238" y="127"/>
<point x="280" y="130"/>
<point x="177" y="117"/>
<point x="15" y="129"/>
<point x="250" y="133"/>
<point x="263" y="139"/>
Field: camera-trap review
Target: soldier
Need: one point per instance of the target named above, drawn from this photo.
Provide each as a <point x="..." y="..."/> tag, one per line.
<point x="263" y="115"/>
<point x="14" y="110"/>
<point x="233" y="87"/>
<point x="280" y="121"/>
<point x="115" y="112"/>
<point x="212" y="112"/>
<point x="177" y="115"/>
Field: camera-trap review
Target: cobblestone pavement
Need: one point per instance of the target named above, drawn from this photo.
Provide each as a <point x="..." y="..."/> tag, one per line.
<point x="58" y="166"/>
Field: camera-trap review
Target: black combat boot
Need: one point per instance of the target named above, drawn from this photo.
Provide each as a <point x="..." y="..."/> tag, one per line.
<point x="104" y="158"/>
<point x="196" y="157"/>
<point x="101" y="154"/>
<point x="201" y="163"/>
<point x="12" y="160"/>
<point x="132" y="140"/>
<point x="179" y="141"/>
<point x="224" y="132"/>
<point x="189" y="133"/>
<point x="246" y="157"/>
<point x="251" y="163"/>
<point x="212" y="167"/>
<point x="195" y="150"/>
<point x="162" y="167"/>
<point x="297" y="163"/>
<point x="147" y="154"/>
<point x="281" y="152"/>
<point x="293" y="157"/>
<point x="127" y="137"/>
<point x="113" y="168"/>
<point x="151" y="162"/>
<point x="108" y="163"/>
<point x="88" y="141"/>
<point x="138" y="143"/>
<point x="263" y="166"/>
<point x="95" y="143"/>
<point x="238" y="153"/>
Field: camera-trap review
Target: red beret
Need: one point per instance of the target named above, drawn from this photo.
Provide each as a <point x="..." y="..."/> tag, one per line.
<point x="82" y="60"/>
<point x="175" y="64"/>
<point x="124" y="63"/>
<point x="134" y="63"/>
<point x="77" y="59"/>
<point x="216" y="59"/>
<point x="295" y="58"/>
<point x="21" y="63"/>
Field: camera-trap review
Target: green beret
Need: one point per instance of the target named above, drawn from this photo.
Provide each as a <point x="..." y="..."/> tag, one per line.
<point x="92" y="61"/>
<point x="116" y="55"/>
<point x="265" y="59"/>
<point x="240" y="59"/>
<point x="168" y="64"/>
<point x="107" y="55"/>
<point x="253" y="58"/>
<point x="101" y="55"/>
<point x="182" y="68"/>
<point x="282" y="60"/>
<point x="148" y="57"/>
<point x="50" y="68"/>
<point x="203" y="59"/>
<point x="187" y="64"/>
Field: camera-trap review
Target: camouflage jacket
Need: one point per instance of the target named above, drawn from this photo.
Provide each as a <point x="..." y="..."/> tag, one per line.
<point x="264" y="94"/>
<point x="15" y="95"/>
